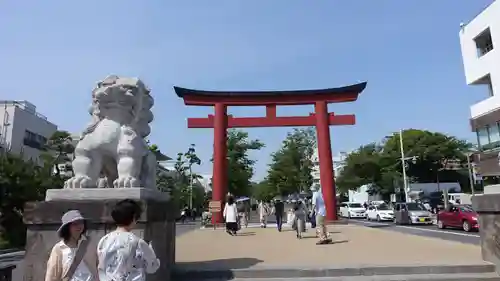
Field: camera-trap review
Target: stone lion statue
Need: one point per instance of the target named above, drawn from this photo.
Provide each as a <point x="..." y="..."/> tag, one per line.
<point x="113" y="144"/>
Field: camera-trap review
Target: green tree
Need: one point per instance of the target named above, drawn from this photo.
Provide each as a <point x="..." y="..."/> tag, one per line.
<point x="362" y="166"/>
<point x="263" y="191"/>
<point x="240" y="168"/>
<point x="20" y="182"/>
<point x="58" y="147"/>
<point x="291" y="166"/>
<point x="434" y="154"/>
<point x="188" y="190"/>
<point x="380" y="164"/>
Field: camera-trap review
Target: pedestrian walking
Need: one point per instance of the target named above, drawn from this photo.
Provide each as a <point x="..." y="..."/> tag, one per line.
<point x="263" y="214"/>
<point x="122" y="255"/>
<point x="71" y="259"/>
<point x="300" y="214"/>
<point x="279" y="211"/>
<point x="320" y="210"/>
<point x="231" y="216"/>
<point x="242" y="214"/>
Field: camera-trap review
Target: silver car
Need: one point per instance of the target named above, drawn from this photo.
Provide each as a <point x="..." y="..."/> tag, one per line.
<point x="412" y="213"/>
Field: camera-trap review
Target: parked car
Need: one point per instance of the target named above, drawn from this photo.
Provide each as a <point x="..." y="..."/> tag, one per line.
<point x="352" y="210"/>
<point x="458" y="216"/>
<point x="380" y="212"/>
<point x="411" y="213"/>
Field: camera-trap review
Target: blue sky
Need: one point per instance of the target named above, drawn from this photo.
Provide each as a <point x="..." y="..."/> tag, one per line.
<point x="52" y="53"/>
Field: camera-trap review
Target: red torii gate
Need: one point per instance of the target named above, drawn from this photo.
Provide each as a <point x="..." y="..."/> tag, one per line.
<point x="321" y="119"/>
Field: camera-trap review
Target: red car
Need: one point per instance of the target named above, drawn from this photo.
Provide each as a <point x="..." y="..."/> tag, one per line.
<point x="458" y="216"/>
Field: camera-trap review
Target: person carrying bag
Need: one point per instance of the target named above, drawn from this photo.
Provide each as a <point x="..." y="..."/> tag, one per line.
<point x="72" y="255"/>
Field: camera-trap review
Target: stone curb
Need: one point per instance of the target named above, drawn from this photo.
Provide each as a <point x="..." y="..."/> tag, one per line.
<point x="198" y="273"/>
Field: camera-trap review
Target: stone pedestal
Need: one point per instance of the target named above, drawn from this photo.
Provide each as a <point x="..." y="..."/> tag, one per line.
<point x="488" y="208"/>
<point x="157" y="224"/>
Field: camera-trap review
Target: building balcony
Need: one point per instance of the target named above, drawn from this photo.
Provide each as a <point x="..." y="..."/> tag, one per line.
<point x="485" y="106"/>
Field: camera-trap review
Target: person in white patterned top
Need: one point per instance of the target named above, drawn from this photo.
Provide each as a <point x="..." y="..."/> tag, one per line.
<point x="122" y="255"/>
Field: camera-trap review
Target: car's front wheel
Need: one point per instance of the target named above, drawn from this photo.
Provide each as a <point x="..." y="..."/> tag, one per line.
<point x="466" y="226"/>
<point x="378" y="218"/>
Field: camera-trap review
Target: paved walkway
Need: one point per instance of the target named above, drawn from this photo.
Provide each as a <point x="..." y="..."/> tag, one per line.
<point x="353" y="245"/>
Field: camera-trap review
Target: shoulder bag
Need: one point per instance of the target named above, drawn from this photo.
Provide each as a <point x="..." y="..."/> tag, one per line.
<point x="80" y="253"/>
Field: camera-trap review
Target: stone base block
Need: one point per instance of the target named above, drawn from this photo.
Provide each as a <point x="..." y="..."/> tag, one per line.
<point x="157" y="224"/>
<point x="488" y="208"/>
<point x="105" y="193"/>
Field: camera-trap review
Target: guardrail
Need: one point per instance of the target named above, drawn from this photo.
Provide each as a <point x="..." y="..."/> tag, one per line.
<point x="8" y="260"/>
<point x="8" y="251"/>
<point x="6" y="272"/>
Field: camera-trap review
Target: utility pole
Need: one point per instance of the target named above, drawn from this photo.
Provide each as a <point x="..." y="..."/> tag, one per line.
<point x="471" y="179"/>
<point x="190" y="188"/>
<point x="403" y="165"/>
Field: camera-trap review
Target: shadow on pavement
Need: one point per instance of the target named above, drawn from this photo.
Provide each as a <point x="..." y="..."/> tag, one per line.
<point x="379" y="225"/>
<point x="221" y="269"/>
<point x="246" y="234"/>
<point x="340" y="242"/>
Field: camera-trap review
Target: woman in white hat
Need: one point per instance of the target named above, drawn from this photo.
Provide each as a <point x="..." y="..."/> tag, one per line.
<point x="71" y="259"/>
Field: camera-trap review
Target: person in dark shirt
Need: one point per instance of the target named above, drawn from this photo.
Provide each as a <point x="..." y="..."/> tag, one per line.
<point x="279" y="210"/>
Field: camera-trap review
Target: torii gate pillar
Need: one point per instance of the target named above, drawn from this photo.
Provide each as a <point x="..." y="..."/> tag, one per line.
<point x="219" y="176"/>
<point x="325" y="159"/>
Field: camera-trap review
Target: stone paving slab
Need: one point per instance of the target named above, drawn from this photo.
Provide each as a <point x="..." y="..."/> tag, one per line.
<point x="423" y="277"/>
<point x="353" y="246"/>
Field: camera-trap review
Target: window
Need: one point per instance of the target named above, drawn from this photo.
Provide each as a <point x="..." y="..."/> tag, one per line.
<point x="490" y="88"/>
<point x="484" y="43"/>
<point x="489" y="137"/>
<point x="494" y="133"/>
<point x="482" y="137"/>
<point x="34" y="140"/>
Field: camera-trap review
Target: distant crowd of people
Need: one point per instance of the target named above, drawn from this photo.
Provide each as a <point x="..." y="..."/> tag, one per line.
<point x="189" y="214"/>
<point x="301" y="212"/>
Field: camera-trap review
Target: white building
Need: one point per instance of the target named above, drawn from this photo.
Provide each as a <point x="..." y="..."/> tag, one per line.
<point x="338" y="164"/>
<point x="22" y="129"/>
<point x="206" y="181"/>
<point x="480" y="40"/>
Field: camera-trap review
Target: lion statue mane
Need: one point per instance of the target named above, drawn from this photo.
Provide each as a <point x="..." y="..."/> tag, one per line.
<point x="112" y="151"/>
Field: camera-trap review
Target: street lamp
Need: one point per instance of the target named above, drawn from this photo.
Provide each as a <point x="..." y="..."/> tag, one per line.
<point x="403" y="164"/>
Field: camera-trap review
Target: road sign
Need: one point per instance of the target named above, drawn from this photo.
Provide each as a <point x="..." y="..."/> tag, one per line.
<point x="214" y="206"/>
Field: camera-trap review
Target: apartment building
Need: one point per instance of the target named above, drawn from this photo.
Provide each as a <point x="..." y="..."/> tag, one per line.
<point x="338" y="164"/>
<point x="480" y="40"/>
<point x="22" y="129"/>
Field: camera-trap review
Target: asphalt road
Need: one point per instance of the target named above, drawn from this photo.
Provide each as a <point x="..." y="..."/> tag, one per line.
<point x="425" y="230"/>
<point x="17" y="257"/>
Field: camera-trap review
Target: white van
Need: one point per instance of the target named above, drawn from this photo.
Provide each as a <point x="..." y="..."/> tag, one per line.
<point x="352" y="210"/>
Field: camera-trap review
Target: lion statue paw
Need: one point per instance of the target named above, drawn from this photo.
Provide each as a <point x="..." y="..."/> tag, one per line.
<point x="79" y="182"/>
<point x="126" y="182"/>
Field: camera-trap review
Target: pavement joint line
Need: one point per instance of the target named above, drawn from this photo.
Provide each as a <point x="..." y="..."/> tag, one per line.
<point x="257" y="225"/>
<point x="422" y="229"/>
<point x="439" y="231"/>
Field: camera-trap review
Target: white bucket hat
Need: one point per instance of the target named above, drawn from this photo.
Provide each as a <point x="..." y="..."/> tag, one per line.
<point x="69" y="217"/>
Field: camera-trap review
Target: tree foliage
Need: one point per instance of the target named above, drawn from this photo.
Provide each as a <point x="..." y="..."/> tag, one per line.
<point x="263" y="191"/>
<point x="291" y="166"/>
<point x="188" y="191"/>
<point x="430" y="153"/>
<point x="21" y="182"/>
<point x="240" y="168"/>
<point x="57" y="150"/>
